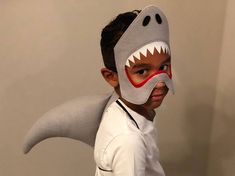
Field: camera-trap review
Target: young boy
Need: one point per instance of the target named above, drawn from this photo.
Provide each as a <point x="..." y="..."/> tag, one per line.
<point x="136" y="54"/>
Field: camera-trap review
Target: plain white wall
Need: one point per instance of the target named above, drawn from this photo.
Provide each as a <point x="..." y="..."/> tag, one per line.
<point x="222" y="146"/>
<point x="49" y="53"/>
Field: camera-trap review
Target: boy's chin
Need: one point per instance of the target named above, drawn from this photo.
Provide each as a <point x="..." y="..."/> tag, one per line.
<point x="153" y="104"/>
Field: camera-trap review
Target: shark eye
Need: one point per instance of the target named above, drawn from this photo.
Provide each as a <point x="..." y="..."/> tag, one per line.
<point x="146" y="20"/>
<point x="158" y="18"/>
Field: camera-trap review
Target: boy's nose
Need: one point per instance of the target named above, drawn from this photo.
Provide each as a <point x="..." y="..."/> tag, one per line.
<point x="160" y="84"/>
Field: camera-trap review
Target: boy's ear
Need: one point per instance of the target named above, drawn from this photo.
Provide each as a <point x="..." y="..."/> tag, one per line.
<point x="110" y="76"/>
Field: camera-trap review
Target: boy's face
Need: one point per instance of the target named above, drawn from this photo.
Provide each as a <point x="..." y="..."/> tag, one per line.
<point x="143" y="69"/>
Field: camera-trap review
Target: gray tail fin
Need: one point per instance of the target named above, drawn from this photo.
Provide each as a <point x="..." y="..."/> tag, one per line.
<point x="78" y="119"/>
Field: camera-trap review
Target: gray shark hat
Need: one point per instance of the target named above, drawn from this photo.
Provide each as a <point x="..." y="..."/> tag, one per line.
<point x="148" y="32"/>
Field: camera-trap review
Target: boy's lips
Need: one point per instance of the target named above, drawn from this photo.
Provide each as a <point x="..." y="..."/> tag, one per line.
<point x="158" y="95"/>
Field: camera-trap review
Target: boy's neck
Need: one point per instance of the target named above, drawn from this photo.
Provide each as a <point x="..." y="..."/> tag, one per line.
<point x="147" y="113"/>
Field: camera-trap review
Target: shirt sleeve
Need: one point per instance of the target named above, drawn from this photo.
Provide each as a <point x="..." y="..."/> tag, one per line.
<point x="127" y="155"/>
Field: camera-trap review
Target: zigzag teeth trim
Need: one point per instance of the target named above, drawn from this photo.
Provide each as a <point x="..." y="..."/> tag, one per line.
<point x="159" y="45"/>
<point x="143" y="50"/>
<point x="132" y="59"/>
<point x="158" y="49"/>
<point x="151" y="50"/>
<point x="164" y="49"/>
<point x="137" y="55"/>
<point x="168" y="51"/>
<point x="127" y="63"/>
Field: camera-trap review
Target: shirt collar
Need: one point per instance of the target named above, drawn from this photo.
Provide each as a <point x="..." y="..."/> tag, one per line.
<point x="142" y="122"/>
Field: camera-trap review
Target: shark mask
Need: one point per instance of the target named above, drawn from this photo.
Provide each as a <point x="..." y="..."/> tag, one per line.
<point x="80" y="118"/>
<point x="146" y="35"/>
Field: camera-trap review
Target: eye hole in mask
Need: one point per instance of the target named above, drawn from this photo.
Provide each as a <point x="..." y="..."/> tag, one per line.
<point x="143" y="70"/>
<point x="147" y="62"/>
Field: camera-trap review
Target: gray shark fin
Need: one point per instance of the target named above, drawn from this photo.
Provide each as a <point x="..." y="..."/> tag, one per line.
<point x="78" y="119"/>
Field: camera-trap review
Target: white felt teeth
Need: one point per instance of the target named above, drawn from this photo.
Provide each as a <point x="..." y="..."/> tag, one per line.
<point x="160" y="46"/>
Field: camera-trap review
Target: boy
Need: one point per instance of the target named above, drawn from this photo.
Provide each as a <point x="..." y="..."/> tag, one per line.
<point x="136" y="54"/>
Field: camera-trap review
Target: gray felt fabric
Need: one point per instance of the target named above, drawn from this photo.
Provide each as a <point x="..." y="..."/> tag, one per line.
<point x="135" y="37"/>
<point x="77" y="119"/>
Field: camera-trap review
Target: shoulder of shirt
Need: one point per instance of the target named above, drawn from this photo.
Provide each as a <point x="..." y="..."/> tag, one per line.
<point x="115" y="121"/>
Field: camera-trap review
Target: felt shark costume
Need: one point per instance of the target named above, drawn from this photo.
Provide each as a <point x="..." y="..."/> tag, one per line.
<point x="80" y="118"/>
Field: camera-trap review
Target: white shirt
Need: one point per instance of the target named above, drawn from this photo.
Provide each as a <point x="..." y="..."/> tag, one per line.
<point x="121" y="149"/>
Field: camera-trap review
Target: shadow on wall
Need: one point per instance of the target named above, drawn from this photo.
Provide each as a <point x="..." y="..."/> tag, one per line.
<point x="192" y="154"/>
<point x="223" y="144"/>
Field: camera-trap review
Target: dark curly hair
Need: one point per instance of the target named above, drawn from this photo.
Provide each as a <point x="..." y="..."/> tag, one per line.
<point x="112" y="33"/>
